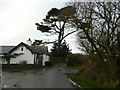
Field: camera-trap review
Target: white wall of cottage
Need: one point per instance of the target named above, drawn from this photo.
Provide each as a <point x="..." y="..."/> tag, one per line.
<point x="45" y="58"/>
<point x="26" y="56"/>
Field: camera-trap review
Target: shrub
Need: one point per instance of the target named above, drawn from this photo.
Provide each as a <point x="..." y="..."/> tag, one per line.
<point x="73" y="60"/>
<point x="58" y="59"/>
<point x="23" y="62"/>
<point x="99" y="71"/>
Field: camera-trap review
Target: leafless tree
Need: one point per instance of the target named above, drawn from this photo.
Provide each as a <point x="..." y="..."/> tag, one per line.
<point x="99" y="29"/>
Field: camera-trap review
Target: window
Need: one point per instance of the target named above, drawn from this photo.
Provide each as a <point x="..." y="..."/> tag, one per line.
<point x="22" y="49"/>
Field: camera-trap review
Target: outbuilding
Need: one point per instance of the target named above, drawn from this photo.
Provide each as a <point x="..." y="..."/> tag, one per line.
<point x="24" y="53"/>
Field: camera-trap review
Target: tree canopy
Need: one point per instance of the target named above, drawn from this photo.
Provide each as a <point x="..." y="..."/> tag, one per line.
<point x="64" y="50"/>
<point x="57" y="21"/>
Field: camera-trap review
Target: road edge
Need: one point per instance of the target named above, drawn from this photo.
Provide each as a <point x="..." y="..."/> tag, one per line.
<point x="75" y="84"/>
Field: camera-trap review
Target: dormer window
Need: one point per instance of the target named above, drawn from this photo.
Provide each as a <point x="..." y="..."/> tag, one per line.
<point x="22" y="49"/>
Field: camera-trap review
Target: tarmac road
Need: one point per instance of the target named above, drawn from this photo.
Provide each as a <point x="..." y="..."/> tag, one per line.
<point x="54" y="77"/>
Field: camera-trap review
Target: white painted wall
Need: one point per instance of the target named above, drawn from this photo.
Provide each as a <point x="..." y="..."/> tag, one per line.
<point x="45" y="58"/>
<point x="26" y="56"/>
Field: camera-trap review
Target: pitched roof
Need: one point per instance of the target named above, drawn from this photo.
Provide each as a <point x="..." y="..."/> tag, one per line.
<point x="33" y="49"/>
<point x="5" y="49"/>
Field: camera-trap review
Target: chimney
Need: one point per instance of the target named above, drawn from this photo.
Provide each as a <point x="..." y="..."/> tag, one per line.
<point x="29" y="42"/>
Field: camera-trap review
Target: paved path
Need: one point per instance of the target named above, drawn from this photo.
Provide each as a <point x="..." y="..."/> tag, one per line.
<point x="54" y="77"/>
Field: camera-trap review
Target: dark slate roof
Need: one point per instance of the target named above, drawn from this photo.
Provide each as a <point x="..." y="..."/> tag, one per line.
<point x="38" y="49"/>
<point x="5" y="49"/>
<point x="33" y="49"/>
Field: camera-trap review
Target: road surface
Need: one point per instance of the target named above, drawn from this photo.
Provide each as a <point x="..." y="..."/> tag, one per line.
<point x="54" y="77"/>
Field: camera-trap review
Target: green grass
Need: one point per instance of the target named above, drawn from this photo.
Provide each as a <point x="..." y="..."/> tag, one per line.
<point x="55" y="64"/>
<point x="73" y="67"/>
<point x="19" y="69"/>
<point x="23" y="69"/>
<point x="87" y="82"/>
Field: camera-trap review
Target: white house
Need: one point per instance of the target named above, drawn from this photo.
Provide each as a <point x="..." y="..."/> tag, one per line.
<point x="4" y="50"/>
<point x="29" y="54"/>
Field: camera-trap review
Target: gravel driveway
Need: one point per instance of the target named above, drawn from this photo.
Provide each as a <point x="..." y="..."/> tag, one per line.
<point x="54" y="77"/>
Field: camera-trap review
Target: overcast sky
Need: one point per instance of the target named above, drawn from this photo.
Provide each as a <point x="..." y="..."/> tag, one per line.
<point x="18" y="18"/>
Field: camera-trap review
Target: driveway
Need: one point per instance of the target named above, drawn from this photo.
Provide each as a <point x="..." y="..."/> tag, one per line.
<point x="54" y="77"/>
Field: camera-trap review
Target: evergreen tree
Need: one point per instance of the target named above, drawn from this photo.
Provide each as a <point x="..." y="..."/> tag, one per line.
<point x="64" y="50"/>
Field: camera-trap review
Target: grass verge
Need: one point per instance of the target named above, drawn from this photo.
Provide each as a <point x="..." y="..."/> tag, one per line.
<point x="87" y="82"/>
<point x="23" y="69"/>
<point x="56" y="64"/>
<point x="73" y="67"/>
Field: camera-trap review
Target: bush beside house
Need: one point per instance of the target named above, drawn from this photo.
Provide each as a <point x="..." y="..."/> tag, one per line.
<point x="101" y="74"/>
